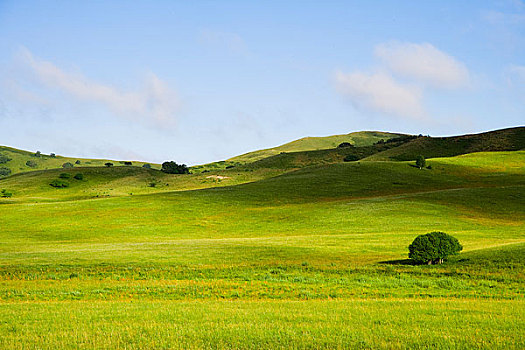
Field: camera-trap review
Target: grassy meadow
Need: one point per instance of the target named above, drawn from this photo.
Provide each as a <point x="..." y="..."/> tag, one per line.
<point x="314" y="257"/>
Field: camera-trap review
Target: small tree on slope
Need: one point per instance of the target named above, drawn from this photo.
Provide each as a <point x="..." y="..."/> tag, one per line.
<point x="420" y="162"/>
<point x="433" y="248"/>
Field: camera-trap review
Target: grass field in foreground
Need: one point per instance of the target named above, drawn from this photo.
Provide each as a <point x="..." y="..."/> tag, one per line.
<point x="314" y="258"/>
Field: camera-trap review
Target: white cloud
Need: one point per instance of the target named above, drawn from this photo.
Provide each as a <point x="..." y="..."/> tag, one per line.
<point x="423" y="63"/>
<point x="381" y="93"/>
<point x="154" y="103"/>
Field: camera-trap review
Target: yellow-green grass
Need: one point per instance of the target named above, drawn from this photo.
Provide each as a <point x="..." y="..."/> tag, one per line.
<point x="19" y="158"/>
<point x="314" y="258"/>
<point x="355" y="324"/>
<point x="358" y="139"/>
<point x="511" y="139"/>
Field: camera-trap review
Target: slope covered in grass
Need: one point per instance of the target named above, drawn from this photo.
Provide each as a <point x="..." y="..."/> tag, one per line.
<point x="18" y="161"/>
<point x="358" y="139"/>
<point x="511" y="139"/>
<point x="289" y="260"/>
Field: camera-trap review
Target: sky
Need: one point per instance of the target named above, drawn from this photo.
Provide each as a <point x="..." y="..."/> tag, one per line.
<point x="201" y="81"/>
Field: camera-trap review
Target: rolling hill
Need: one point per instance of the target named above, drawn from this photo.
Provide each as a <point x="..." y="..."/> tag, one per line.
<point x="280" y="252"/>
<point x="511" y="139"/>
<point x="20" y="161"/>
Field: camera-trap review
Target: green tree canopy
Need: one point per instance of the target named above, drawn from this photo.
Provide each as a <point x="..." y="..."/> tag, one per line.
<point x="433" y="248"/>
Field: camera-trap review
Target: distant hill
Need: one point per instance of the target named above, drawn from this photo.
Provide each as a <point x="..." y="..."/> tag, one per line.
<point x="19" y="161"/>
<point x="511" y="139"/>
<point x="357" y="139"/>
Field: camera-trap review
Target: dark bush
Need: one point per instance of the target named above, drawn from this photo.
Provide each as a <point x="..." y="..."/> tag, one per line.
<point x="230" y="166"/>
<point x="345" y="144"/>
<point x="59" y="184"/>
<point x="147" y="166"/>
<point x="31" y="164"/>
<point x="5" y="171"/>
<point x="67" y="165"/>
<point x="77" y="162"/>
<point x="38" y="154"/>
<point x="5" y="194"/>
<point x="4" y="159"/>
<point x="78" y="176"/>
<point x="420" y="162"/>
<point x="128" y="163"/>
<point x="64" y="176"/>
<point x="351" y="158"/>
<point x="433" y="248"/>
<point x="108" y="165"/>
<point x="173" y="168"/>
<point x="52" y="155"/>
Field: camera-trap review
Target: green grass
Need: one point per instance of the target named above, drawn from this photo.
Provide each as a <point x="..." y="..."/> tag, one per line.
<point x="19" y="158"/>
<point x="358" y="139"/>
<point x="512" y="139"/>
<point x="275" y="258"/>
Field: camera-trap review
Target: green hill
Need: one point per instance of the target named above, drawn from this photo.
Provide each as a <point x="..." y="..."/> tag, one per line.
<point x="275" y="258"/>
<point x="19" y="161"/>
<point x="358" y="139"/>
<point x="510" y="139"/>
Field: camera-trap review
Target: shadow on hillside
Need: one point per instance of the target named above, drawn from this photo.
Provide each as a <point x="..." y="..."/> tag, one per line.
<point x="398" y="262"/>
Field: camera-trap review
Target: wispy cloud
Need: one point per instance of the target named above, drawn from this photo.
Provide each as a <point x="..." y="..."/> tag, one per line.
<point x="381" y="93"/>
<point x="154" y="103"/>
<point x="401" y="79"/>
<point x="423" y="63"/>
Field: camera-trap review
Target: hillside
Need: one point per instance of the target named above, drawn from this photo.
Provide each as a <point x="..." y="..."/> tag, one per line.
<point x="279" y="253"/>
<point x="20" y="161"/>
<point x="358" y="139"/>
<point x="510" y="139"/>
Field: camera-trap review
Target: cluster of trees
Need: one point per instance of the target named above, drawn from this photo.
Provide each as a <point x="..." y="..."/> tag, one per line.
<point x="60" y="183"/>
<point x="5" y="171"/>
<point x="433" y="248"/>
<point x="173" y="168"/>
<point x="4" y="159"/>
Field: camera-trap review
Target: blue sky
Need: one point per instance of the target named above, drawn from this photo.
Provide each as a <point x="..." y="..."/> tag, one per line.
<point x="202" y="81"/>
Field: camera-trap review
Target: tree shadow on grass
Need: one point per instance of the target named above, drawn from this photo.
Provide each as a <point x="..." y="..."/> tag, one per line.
<point x="399" y="262"/>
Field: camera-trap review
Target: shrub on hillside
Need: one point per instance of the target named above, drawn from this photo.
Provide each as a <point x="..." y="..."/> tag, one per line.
<point x="64" y="176"/>
<point x="173" y="168"/>
<point x="420" y="162"/>
<point x="77" y="162"/>
<point x="31" y="164"/>
<point x="4" y="159"/>
<point x="38" y="154"/>
<point x="59" y="184"/>
<point x="52" y="155"/>
<point x="344" y="145"/>
<point x="433" y="248"/>
<point x="108" y="165"/>
<point x="351" y="158"/>
<point x="128" y="163"/>
<point x="147" y="166"/>
<point x="5" y="194"/>
<point x="5" y="171"/>
<point x="67" y="165"/>
<point x="78" y="176"/>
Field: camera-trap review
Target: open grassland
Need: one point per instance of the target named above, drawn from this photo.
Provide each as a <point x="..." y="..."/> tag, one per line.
<point x="313" y="258"/>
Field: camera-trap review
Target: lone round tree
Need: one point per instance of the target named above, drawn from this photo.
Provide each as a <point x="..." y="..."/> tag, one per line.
<point x="433" y="248"/>
<point x="420" y="162"/>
